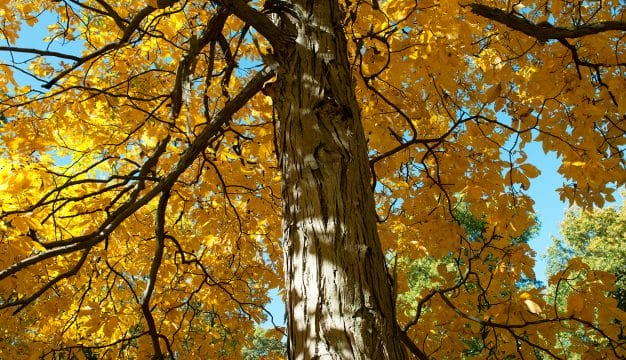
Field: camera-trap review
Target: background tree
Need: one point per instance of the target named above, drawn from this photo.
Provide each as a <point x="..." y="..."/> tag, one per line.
<point x="597" y="238"/>
<point x="165" y="164"/>
<point x="265" y="345"/>
<point x="591" y="251"/>
<point x="423" y="276"/>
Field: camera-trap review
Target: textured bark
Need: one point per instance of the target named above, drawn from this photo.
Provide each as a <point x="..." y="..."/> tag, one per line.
<point x="340" y="302"/>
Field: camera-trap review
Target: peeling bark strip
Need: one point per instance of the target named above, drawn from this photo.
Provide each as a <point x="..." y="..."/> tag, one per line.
<point x="340" y="302"/>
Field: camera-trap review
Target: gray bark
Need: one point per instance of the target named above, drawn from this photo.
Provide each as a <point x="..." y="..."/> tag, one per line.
<point x="340" y="300"/>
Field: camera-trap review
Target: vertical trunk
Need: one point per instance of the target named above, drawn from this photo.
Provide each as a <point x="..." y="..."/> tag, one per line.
<point x="340" y="302"/>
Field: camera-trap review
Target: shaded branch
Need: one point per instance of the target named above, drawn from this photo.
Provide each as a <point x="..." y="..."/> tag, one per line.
<point x="82" y="347"/>
<point x="509" y="327"/>
<point x="260" y="22"/>
<point x="22" y="303"/>
<point x="406" y="340"/>
<point x="110" y="11"/>
<point x="154" y="271"/>
<point x="184" y="72"/>
<point x="543" y="32"/>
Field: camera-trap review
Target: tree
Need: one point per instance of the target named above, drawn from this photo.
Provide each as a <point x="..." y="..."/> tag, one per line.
<point x="591" y="251"/>
<point x="265" y="346"/>
<point x="598" y="238"/>
<point x="162" y="156"/>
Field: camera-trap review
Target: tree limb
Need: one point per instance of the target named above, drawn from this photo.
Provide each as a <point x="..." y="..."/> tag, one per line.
<point x="260" y="22"/>
<point x="154" y="271"/>
<point x="39" y="52"/>
<point x="25" y="301"/>
<point x="543" y="32"/>
<point x="406" y="340"/>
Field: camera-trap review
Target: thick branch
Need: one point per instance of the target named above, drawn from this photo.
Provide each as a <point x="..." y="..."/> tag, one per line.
<point x="23" y="302"/>
<point x="260" y="22"/>
<point x="540" y="31"/>
<point x="406" y="340"/>
<point x="184" y="73"/>
<point x="110" y="11"/>
<point x="154" y="271"/>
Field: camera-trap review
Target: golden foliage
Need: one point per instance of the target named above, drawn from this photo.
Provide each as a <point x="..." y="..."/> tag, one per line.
<point x="140" y="197"/>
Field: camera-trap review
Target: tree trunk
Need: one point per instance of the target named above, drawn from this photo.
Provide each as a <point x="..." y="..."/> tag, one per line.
<point x="340" y="301"/>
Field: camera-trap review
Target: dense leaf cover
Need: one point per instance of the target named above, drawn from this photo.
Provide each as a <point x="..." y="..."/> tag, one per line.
<point x="140" y="193"/>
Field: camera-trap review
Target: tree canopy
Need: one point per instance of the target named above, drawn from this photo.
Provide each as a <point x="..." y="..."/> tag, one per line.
<point x="144" y="142"/>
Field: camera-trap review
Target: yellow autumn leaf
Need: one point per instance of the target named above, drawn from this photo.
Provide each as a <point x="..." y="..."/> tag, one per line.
<point x="229" y="156"/>
<point x="21" y="181"/>
<point x="532" y="307"/>
<point x="575" y="304"/>
<point x="247" y="170"/>
<point x="574" y="163"/>
<point x="530" y="170"/>
<point x="33" y="224"/>
<point x="493" y="93"/>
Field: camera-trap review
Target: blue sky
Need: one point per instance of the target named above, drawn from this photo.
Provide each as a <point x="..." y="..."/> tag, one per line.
<point x="548" y="207"/>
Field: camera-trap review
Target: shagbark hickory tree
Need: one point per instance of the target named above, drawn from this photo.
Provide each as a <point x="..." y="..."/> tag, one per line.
<point x="165" y="164"/>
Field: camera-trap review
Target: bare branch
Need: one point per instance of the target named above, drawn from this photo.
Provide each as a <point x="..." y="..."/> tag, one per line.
<point x="184" y="73"/>
<point x="406" y="340"/>
<point x="39" y="52"/>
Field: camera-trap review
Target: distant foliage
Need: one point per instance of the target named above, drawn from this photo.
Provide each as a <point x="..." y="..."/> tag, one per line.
<point x="598" y="239"/>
